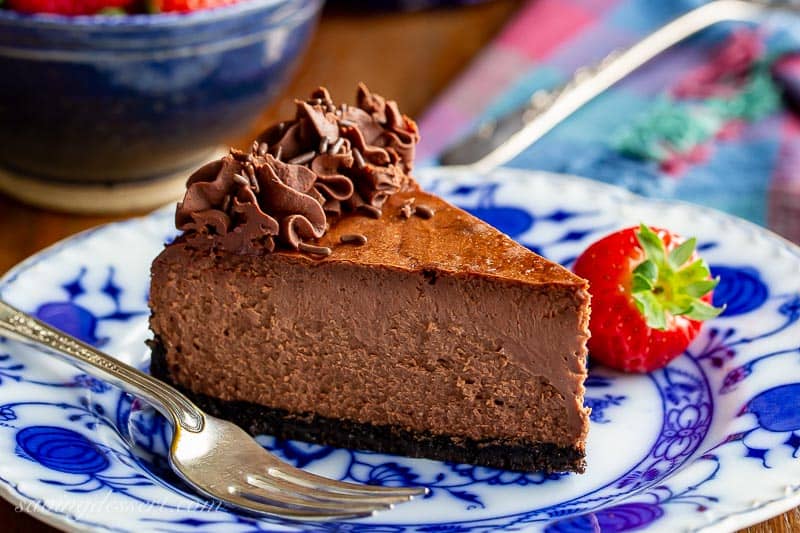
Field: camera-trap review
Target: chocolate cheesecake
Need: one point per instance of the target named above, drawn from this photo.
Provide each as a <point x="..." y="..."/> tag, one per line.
<point x="318" y="294"/>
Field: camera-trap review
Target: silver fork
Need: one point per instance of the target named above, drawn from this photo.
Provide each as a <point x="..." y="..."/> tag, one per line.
<point x="215" y="457"/>
<point x="497" y="142"/>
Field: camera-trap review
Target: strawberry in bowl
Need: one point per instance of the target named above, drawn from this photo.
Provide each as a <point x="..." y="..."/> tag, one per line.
<point x="184" y="6"/>
<point x="113" y="7"/>
<point x="71" y="7"/>
<point x="650" y="292"/>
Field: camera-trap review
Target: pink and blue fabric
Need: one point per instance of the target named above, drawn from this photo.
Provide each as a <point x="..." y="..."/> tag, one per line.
<point x="704" y="122"/>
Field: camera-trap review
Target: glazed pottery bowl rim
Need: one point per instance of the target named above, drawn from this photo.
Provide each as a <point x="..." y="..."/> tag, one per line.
<point x="143" y="99"/>
<point x="124" y="23"/>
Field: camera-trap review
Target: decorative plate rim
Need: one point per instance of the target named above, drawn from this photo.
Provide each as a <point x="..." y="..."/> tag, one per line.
<point x="731" y="520"/>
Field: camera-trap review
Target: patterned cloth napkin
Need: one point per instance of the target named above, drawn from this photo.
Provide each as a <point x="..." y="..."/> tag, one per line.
<point x="704" y="122"/>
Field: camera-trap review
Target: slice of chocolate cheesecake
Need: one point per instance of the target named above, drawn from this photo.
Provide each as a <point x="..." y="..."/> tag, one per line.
<point x="317" y="294"/>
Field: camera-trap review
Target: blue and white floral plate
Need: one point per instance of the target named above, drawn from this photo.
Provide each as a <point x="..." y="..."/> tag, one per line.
<point x="710" y="443"/>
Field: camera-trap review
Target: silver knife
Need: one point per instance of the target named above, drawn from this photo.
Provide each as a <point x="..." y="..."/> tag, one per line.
<point x="499" y="141"/>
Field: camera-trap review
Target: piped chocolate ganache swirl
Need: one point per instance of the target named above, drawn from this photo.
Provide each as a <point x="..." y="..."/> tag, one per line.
<point x="301" y="176"/>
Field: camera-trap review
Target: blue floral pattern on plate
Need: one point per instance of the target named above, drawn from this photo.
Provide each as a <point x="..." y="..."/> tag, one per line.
<point x="710" y="442"/>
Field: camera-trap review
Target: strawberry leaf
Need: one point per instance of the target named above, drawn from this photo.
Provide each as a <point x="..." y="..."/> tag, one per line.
<point x="682" y="253"/>
<point x="700" y="288"/>
<point x="651" y="309"/>
<point x="644" y="277"/>
<point x="702" y="311"/>
<point x="651" y="244"/>
<point x="648" y="270"/>
<point x="697" y="271"/>
<point x="641" y="284"/>
<point x="679" y="304"/>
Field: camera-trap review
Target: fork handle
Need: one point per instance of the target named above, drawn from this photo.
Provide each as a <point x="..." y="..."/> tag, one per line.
<point x="171" y="403"/>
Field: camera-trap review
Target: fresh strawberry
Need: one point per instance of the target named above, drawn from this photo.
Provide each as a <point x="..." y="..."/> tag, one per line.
<point x="68" y="7"/>
<point x="650" y="294"/>
<point x="185" y="6"/>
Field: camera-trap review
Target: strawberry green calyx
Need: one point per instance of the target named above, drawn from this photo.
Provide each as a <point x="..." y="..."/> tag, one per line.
<point x="665" y="284"/>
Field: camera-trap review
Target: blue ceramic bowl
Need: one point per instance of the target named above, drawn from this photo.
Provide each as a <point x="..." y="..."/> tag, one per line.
<point x="123" y="98"/>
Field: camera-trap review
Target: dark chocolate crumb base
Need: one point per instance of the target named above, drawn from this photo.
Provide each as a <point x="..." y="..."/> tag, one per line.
<point x="261" y="420"/>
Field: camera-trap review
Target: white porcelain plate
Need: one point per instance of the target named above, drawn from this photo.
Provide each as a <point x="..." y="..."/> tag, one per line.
<point x="712" y="442"/>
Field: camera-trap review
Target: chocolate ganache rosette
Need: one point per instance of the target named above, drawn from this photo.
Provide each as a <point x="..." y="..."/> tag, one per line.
<point x="301" y="175"/>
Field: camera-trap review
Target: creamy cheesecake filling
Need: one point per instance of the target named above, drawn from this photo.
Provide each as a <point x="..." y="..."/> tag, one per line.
<point x="472" y="358"/>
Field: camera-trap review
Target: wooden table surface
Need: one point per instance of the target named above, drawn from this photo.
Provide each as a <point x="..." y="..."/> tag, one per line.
<point x="420" y="53"/>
